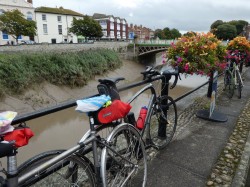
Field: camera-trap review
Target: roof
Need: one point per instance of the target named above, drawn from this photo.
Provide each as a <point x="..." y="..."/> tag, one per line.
<point x="60" y="10"/>
<point x="99" y="16"/>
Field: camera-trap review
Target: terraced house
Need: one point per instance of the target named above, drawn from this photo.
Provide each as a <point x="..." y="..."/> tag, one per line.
<point x="23" y="6"/>
<point x="53" y="23"/>
<point x="113" y="28"/>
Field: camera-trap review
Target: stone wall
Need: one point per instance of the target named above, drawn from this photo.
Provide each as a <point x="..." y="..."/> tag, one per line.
<point x="120" y="47"/>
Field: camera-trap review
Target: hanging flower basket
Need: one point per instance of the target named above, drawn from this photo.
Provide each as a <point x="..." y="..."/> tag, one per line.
<point x="198" y="53"/>
<point x="239" y="43"/>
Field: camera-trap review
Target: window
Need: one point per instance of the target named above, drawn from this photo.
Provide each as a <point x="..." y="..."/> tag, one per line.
<point x="5" y="35"/>
<point x="44" y="18"/>
<point x="29" y="16"/>
<point x="19" y="37"/>
<point x="59" y="18"/>
<point x="45" y="29"/>
<point x="60" y="29"/>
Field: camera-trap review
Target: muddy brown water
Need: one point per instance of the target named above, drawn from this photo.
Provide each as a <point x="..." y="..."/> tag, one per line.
<point x="63" y="129"/>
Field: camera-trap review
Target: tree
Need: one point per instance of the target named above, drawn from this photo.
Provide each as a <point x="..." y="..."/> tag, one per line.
<point x="158" y="34"/>
<point x="87" y="27"/>
<point x="226" y="31"/>
<point x="215" y="24"/>
<point x="240" y="24"/>
<point x="167" y="33"/>
<point x="175" y="33"/>
<point x="14" y="23"/>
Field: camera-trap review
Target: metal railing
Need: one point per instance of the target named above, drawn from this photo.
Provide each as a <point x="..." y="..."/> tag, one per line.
<point x="62" y="106"/>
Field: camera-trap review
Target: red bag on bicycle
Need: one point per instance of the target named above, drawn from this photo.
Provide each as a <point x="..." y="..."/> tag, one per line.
<point x="21" y="135"/>
<point x="115" y="111"/>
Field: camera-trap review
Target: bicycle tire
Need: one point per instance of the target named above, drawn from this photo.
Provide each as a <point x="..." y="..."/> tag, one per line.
<point x="239" y="84"/>
<point x="231" y="86"/>
<point x="81" y="172"/>
<point x="116" y="171"/>
<point x="226" y="79"/>
<point x="163" y="121"/>
<point x="103" y="131"/>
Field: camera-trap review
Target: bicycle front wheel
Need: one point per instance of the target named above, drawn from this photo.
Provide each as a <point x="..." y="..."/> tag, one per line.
<point x="124" y="162"/>
<point x="163" y="121"/>
<point x="72" y="171"/>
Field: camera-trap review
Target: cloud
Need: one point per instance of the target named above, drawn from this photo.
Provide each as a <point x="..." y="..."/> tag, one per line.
<point x="195" y="15"/>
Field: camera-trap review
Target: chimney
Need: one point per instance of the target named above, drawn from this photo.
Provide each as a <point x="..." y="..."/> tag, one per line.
<point x="30" y="1"/>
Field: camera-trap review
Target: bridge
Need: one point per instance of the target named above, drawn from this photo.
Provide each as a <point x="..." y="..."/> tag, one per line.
<point x="146" y="49"/>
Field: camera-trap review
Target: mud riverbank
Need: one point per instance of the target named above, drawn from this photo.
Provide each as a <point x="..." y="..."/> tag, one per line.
<point x="46" y="94"/>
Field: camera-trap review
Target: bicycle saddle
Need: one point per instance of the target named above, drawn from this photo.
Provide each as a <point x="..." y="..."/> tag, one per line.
<point x="111" y="80"/>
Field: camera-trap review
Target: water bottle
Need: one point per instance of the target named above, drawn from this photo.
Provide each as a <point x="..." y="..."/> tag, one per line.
<point x="141" y="119"/>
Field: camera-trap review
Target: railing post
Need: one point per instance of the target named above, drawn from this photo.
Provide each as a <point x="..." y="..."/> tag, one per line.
<point x="164" y="91"/>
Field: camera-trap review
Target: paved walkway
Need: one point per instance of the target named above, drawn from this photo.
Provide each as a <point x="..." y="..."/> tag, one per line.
<point x="195" y="157"/>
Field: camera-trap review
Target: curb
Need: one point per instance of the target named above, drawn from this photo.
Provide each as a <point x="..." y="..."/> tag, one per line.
<point x="241" y="173"/>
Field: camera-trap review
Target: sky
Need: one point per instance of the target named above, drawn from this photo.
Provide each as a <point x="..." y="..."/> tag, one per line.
<point x="184" y="15"/>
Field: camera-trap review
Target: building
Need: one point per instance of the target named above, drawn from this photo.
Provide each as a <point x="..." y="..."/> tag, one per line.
<point x="113" y="28"/>
<point x="142" y="33"/>
<point x="53" y="25"/>
<point x="23" y="6"/>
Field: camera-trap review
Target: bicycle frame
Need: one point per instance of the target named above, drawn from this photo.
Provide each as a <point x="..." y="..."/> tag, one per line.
<point x="150" y="109"/>
<point x="90" y="137"/>
<point x="236" y="71"/>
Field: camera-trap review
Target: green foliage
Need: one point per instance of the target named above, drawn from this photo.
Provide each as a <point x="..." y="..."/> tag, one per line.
<point x="20" y="71"/>
<point x="240" y="24"/>
<point x="175" y="33"/>
<point x="219" y="28"/>
<point x="14" y="23"/>
<point x="167" y="33"/>
<point x="87" y="27"/>
<point x="226" y="31"/>
<point x="215" y="25"/>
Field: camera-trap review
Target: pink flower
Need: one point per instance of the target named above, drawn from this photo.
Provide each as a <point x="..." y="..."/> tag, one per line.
<point x="200" y="72"/>
<point x="179" y="60"/>
<point x="186" y="50"/>
<point x="186" y="67"/>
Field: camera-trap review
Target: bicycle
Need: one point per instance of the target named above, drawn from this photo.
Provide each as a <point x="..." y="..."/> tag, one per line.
<point x="122" y="157"/>
<point x="161" y="119"/>
<point x="232" y="75"/>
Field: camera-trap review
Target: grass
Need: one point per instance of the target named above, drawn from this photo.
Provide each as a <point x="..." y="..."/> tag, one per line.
<point x="19" y="72"/>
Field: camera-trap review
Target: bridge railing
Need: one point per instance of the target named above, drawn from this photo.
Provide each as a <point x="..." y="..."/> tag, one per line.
<point x="168" y="42"/>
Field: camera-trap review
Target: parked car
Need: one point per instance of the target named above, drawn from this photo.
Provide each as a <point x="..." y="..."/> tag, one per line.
<point x="27" y="42"/>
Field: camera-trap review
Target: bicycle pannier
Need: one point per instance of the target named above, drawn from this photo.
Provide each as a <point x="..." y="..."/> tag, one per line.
<point x="115" y="111"/>
<point x="20" y="135"/>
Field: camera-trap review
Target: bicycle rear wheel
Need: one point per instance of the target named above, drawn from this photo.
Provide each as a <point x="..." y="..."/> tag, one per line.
<point x="230" y="83"/>
<point x="239" y="84"/>
<point x="72" y="171"/>
<point x="163" y="121"/>
<point x="127" y="164"/>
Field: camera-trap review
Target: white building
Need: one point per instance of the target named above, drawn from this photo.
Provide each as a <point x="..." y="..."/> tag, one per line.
<point x="53" y="25"/>
<point x="23" y="6"/>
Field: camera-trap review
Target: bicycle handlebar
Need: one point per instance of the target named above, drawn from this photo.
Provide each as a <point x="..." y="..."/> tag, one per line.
<point x="151" y="72"/>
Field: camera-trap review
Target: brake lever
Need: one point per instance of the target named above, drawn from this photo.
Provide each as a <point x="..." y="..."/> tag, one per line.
<point x="175" y="82"/>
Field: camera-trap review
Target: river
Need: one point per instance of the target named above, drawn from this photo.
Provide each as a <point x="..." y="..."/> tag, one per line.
<point x="63" y="129"/>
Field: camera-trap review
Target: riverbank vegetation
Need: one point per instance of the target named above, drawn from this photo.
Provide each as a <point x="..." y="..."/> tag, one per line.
<point x="19" y="72"/>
